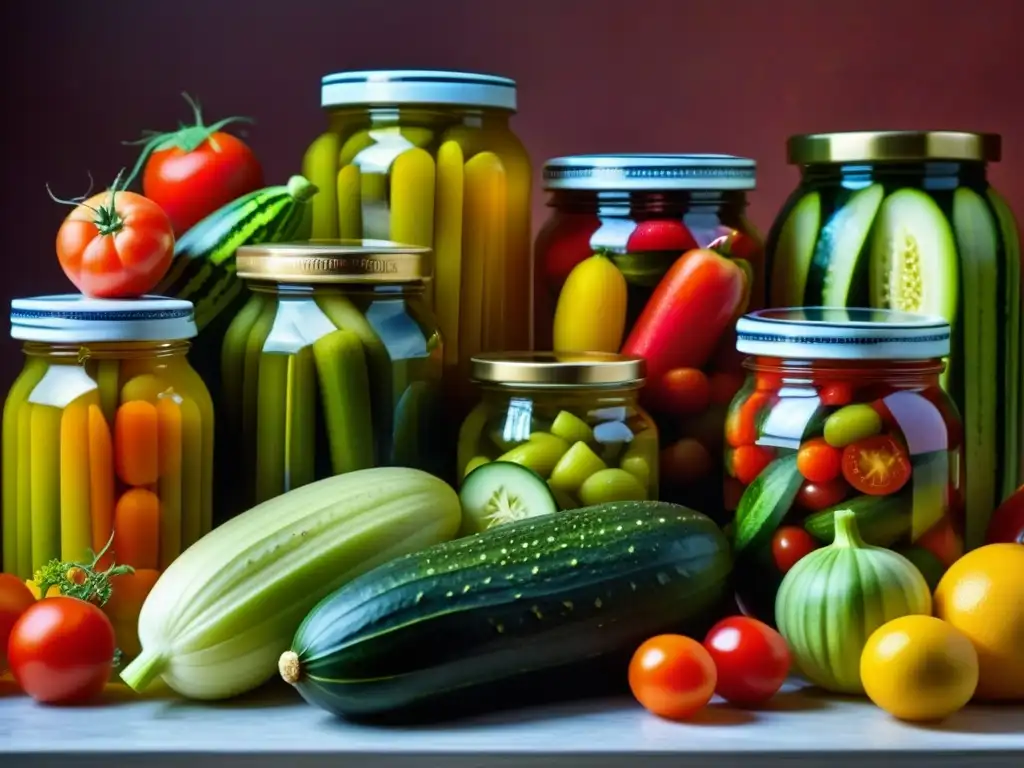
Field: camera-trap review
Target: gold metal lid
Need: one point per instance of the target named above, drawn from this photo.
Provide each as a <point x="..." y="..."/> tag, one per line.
<point x="879" y="146"/>
<point x="554" y="369"/>
<point x="334" y="261"/>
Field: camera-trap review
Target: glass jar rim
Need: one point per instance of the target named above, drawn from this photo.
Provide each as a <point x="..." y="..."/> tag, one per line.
<point x="335" y="261"/>
<point x="893" y="146"/>
<point x="76" y="319"/>
<point x="650" y="172"/>
<point x="583" y="370"/>
<point x="400" y="87"/>
<point x="835" y="333"/>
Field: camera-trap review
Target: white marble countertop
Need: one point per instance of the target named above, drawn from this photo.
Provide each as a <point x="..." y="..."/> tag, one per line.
<point x="275" y="727"/>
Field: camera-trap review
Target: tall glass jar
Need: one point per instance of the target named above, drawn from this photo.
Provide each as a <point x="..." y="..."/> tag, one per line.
<point x="332" y="366"/>
<point x="107" y="432"/>
<point x="908" y="221"/>
<point x="574" y="419"/>
<point x="428" y="158"/>
<point x="641" y="213"/>
<point x="842" y="410"/>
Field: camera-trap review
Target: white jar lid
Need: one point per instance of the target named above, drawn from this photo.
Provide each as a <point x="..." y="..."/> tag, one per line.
<point x="417" y="86"/>
<point x="832" y="333"/>
<point x="76" y="319"/>
<point x="650" y="172"/>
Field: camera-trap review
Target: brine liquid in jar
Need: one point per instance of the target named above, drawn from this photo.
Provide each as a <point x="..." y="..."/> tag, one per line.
<point x="842" y="409"/>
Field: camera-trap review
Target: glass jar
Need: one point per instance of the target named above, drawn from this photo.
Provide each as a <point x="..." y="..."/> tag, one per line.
<point x="573" y="419"/>
<point x="842" y="409"/>
<point x="428" y="158"/>
<point x="643" y="212"/>
<point x="332" y="366"/>
<point x="908" y="221"/>
<point x="107" y="431"/>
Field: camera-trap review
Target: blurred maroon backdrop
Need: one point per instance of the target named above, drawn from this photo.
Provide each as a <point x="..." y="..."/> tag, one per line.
<point x="735" y="76"/>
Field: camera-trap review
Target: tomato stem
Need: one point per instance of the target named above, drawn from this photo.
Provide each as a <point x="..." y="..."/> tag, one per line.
<point x="187" y="138"/>
<point x="75" y="201"/>
<point x="81" y="580"/>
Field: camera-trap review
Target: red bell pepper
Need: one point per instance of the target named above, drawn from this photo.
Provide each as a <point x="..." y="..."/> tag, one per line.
<point x="1007" y="524"/>
<point x="695" y="303"/>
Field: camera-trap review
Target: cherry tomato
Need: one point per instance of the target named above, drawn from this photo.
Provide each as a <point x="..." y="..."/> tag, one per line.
<point x="944" y="541"/>
<point x="115" y="245"/>
<point x="741" y="421"/>
<point x="748" y="461"/>
<point x="197" y="169"/>
<point x="876" y="465"/>
<point x="683" y="391"/>
<point x="672" y="676"/>
<point x="724" y="385"/>
<point x="836" y="393"/>
<point x="818" y="461"/>
<point x="1007" y="523"/>
<point x="767" y="382"/>
<point x="15" y="599"/>
<point x="61" y="650"/>
<point x="685" y="461"/>
<point x="661" y="235"/>
<point x="751" y="658"/>
<point x="815" y="497"/>
<point x="790" y="545"/>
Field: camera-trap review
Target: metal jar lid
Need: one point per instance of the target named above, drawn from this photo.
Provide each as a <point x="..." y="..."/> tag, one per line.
<point x="831" y="333"/>
<point x="553" y="369"/>
<point x="335" y="261"/>
<point x="649" y="172"/>
<point x="76" y="319"/>
<point x="893" y="146"/>
<point x="417" y="86"/>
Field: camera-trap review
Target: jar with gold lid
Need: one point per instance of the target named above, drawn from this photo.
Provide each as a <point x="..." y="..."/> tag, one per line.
<point x="574" y="419"/>
<point x="332" y="366"/>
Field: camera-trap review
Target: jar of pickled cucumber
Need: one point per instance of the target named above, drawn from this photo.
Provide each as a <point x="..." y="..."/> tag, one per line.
<point x="107" y="438"/>
<point x="616" y="271"/>
<point x="333" y="365"/>
<point x="572" y="419"/>
<point x="843" y="409"/>
<point x="428" y="158"/>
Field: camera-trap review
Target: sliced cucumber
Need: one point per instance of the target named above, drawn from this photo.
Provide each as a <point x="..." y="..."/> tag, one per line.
<point x="913" y="264"/>
<point x="502" y="492"/>
<point x="977" y="241"/>
<point x="837" y="255"/>
<point x="794" y="251"/>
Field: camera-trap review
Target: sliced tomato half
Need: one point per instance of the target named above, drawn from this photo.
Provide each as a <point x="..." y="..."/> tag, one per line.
<point x="877" y="465"/>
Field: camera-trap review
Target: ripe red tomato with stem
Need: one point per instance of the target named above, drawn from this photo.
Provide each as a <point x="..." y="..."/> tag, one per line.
<point x="197" y="169"/>
<point x="116" y="244"/>
<point x="61" y="650"/>
<point x="672" y="676"/>
<point x="752" y="660"/>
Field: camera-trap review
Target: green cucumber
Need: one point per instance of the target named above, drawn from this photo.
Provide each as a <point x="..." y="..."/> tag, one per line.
<point x="836" y="266"/>
<point x="977" y="241"/>
<point x="883" y="521"/>
<point x="794" y="250"/>
<point x="528" y="608"/>
<point x="1011" y="360"/>
<point x="766" y="501"/>
<point x="345" y="390"/>
<point x="499" y="493"/>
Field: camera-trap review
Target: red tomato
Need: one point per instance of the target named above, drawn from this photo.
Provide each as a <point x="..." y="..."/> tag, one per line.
<point x="661" y="235"/>
<point x="736" y="244"/>
<point x="115" y="245"/>
<point x="1007" y="523"/>
<point x="876" y="465"/>
<point x="751" y="658"/>
<point x="836" y="393"/>
<point x="61" y="651"/>
<point x="767" y="382"/>
<point x="724" y="385"/>
<point x="683" y="391"/>
<point x="194" y="171"/>
<point x="944" y="541"/>
<point x="672" y="676"/>
<point x="741" y="422"/>
<point x="815" y="497"/>
<point x="748" y="461"/>
<point x="685" y="461"/>
<point x="15" y="599"/>
<point x="565" y="246"/>
<point x="790" y="545"/>
<point x="818" y="461"/>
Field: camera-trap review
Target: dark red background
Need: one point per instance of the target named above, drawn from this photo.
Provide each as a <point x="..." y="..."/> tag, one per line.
<point x="735" y="76"/>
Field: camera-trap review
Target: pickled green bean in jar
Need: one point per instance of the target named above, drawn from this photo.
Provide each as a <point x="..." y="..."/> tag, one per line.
<point x="332" y="366"/>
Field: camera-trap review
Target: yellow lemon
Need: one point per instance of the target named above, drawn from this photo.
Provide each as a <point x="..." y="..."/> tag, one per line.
<point x="919" y="668"/>
<point x="982" y="595"/>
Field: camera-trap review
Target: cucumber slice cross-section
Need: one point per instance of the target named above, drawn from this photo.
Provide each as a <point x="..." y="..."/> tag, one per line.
<point x="794" y="251"/>
<point x="502" y="492"/>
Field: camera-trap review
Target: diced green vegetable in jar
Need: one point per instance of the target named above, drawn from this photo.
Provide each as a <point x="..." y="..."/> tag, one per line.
<point x="540" y="453"/>
<point x="611" y="485"/>
<point x="852" y="423"/>
<point x="571" y="428"/>
<point x="578" y="463"/>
